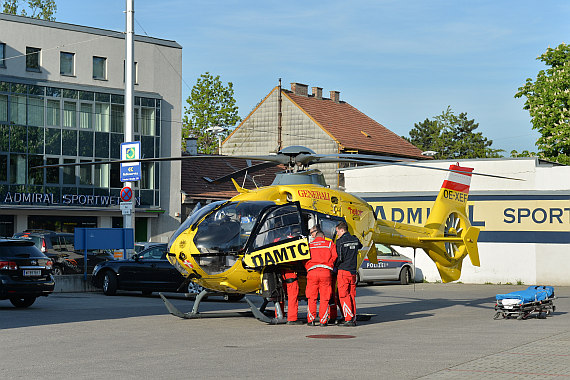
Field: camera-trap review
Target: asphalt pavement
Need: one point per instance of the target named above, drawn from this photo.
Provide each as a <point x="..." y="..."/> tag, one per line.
<point x="427" y="331"/>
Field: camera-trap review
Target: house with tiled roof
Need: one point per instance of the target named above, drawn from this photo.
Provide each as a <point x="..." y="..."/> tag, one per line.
<point x="325" y="125"/>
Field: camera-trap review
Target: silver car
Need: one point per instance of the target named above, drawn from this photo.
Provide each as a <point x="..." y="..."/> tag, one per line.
<point x="391" y="267"/>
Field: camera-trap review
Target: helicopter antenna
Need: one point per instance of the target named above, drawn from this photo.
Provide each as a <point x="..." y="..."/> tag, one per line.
<point x="244" y="178"/>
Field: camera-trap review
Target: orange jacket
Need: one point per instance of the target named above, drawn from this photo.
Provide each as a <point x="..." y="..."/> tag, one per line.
<point x="323" y="254"/>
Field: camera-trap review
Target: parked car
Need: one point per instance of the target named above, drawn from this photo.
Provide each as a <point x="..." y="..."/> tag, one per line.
<point x="148" y="271"/>
<point x="391" y="267"/>
<point x="141" y="246"/>
<point x="59" y="246"/>
<point x="25" y="272"/>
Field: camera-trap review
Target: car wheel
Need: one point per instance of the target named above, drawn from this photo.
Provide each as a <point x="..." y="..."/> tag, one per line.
<point x="405" y="276"/>
<point x="22" y="301"/>
<point x="233" y="297"/>
<point x="110" y="283"/>
<point x="194" y="288"/>
<point x="57" y="270"/>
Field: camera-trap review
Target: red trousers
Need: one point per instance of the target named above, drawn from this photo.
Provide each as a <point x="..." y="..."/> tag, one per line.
<point x="292" y="290"/>
<point x="347" y="294"/>
<point x="318" y="283"/>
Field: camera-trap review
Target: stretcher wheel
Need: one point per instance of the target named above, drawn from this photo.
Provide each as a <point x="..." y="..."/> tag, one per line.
<point x="498" y="315"/>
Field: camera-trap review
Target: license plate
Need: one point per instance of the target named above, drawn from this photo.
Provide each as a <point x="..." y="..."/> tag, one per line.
<point x="32" y="272"/>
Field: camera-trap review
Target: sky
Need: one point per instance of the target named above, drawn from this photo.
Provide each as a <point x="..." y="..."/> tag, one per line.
<point x="397" y="61"/>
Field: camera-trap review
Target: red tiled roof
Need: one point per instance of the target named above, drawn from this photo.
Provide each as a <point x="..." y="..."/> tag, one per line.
<point x="196" y="187"/>
<point x="353" y="129"/>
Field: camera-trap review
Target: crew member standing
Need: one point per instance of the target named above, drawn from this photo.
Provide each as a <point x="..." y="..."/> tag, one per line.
<point x="319" y="268"/>
<point x="347" y="247"/>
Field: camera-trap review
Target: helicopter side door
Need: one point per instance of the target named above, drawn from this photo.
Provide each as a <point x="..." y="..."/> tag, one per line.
<point x="279" y="236"/>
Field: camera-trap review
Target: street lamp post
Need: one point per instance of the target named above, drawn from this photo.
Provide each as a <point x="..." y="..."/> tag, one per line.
<point x="217" y="130"/>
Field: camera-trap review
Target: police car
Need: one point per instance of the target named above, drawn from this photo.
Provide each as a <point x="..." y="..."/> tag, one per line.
<point x="391" y="267"/>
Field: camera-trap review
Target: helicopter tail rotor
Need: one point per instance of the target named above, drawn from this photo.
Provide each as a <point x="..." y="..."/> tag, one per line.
<point x="453" y="238"/>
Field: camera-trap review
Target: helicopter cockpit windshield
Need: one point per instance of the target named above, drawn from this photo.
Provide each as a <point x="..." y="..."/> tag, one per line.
<point x="223" y="233"/>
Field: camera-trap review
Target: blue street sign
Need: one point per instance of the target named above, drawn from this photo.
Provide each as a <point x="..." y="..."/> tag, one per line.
<point x="131" y="172"/>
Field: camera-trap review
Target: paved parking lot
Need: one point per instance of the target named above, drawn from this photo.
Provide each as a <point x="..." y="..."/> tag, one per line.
<point x="430" y="331"/>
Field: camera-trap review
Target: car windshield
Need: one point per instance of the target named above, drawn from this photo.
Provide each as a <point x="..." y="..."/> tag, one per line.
<point x="226" y="230"/>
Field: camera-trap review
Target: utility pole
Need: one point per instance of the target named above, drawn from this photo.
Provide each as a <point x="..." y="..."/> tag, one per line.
<point x="129" y="219"/>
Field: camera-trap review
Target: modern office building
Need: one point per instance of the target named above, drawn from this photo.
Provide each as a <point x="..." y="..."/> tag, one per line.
<point x="62" y="101"/>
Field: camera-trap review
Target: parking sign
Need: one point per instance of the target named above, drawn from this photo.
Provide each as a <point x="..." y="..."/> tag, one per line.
<point x="131" y="172"/>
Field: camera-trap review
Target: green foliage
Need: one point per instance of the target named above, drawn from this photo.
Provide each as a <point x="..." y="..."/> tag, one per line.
<point x="452" y="136"/>
<point x="210" y="104"/>
<point x="41" y="9"/>
<point x="524" y="153"/>
<point x="548" y="103"/>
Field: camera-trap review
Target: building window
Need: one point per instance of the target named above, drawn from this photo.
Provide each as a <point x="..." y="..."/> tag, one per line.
<point x="2" y="54"/>
<point x="67" y="63"/>
<point x="99" y="68"/>
<point x="33" y="58"/>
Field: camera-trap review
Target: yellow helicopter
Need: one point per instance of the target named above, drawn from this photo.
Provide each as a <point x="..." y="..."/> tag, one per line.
<point x="240" y="245"/>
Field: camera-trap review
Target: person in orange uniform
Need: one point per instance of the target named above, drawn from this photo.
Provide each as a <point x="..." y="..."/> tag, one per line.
<point x="291" y="285"/>
<point x="319" y="269"/>
<point x="347" y="247"/>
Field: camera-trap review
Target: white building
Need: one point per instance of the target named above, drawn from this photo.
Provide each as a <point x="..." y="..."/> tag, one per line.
<point x="61" y="101"/>
<point x="525" y="225"/>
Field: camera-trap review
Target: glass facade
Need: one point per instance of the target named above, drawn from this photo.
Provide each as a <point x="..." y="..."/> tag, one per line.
<point x="47" y="125"/>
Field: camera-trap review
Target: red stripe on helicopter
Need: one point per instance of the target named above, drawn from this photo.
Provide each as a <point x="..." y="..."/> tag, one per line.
<point x="455" y="186"/>
<point x="459" y="179"/>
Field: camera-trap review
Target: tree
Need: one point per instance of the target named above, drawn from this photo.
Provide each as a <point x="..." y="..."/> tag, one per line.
<point x="210" y="104"/>
<point x="42" y="9"/>
<point x="452" y="136"/>
<point x="548" y="103"/>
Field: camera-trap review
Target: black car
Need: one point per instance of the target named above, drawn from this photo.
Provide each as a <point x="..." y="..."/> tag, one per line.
<point x="59" y="246"/>
<point x="25" y="272"/>
<point x="148" y="271"/>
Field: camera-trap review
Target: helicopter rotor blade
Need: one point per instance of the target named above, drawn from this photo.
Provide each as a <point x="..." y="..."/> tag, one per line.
<point x="239" y="173"/>
<point x="405" y="164"/>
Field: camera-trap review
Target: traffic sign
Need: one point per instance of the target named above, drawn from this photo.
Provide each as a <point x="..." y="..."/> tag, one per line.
<point x="126" y="194"/>
<point x="126" y="208"/>
<point x="130" y="171"/>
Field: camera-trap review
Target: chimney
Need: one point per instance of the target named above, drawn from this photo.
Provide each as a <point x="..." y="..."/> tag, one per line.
<point x="300" y="89"/>
<point x="317" y="92"/>
<point x="335" y="96"/>
<point x="191" y="145"/>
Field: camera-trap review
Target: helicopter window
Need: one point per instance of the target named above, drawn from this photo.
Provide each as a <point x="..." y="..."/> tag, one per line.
<point x="282" y="223"/>
<point x="193" y="218"/>
<point x="223" y="233"/>
<point x="326" y="222"/>
<point x="226" y="230"/>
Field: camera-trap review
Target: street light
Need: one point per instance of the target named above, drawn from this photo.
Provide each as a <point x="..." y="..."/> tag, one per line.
<point x="217" y="130"/>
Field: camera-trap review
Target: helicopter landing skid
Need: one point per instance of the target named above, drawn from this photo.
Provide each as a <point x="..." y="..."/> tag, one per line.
<point x="259" y="313"/>
<point x="195" y="314"/>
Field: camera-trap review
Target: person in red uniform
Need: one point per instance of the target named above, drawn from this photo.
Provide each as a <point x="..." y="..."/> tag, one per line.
<point x="347" y="247"/>
<point x="291" y="285"/>
<point x="319" y="268"/>
<point x="290" y="282"/>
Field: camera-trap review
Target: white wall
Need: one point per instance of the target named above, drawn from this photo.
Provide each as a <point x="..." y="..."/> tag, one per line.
<point x="512" y="247"/>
